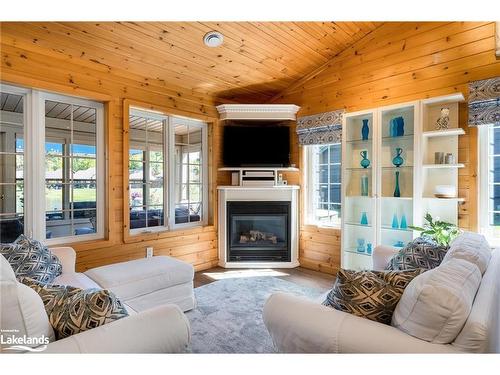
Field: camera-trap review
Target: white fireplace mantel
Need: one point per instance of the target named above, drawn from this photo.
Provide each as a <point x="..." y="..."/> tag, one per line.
<point x="286" y="193"/>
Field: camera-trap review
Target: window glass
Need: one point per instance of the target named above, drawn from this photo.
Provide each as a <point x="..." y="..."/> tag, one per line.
<point x="11" y="166"/>
<point x="70" y="169"/>
<point x="146" y="170"/>
<point x="325" y="198"/>
<point x="188" y="172"/>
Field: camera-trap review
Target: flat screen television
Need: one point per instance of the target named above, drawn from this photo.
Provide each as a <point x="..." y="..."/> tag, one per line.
<point x="256" y="146"/>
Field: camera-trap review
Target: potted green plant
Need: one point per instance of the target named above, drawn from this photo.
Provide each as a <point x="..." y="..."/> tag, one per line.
<point x="440" y="231"/>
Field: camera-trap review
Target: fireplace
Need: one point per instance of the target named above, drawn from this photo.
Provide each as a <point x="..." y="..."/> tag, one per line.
<point x="258" y="231"/>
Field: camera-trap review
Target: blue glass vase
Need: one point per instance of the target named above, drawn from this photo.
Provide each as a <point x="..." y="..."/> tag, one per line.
<point x="400" y="126"/>
<point x="397" y="193"/>
<point x="404" y="224"/>
<point x="364" y="219"/>
<point x="365" y="163"/>
<point x="395" y="224"/>
<point x="398" y="160"/>
<point x="393" y="128"/>
<point x="364" y="185"/>
<point x="365" y="130"/>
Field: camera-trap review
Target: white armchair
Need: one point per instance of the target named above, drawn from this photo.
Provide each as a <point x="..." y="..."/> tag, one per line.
<point x="163" y="329"/>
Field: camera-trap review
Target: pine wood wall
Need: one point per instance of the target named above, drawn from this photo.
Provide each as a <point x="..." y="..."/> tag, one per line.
<point x="25" y="63"/>
<point x="399" y="62"/>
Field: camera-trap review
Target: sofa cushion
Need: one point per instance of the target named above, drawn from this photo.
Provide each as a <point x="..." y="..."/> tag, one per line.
<point x="21" y="310"/>
<point x="471" y="247"/>
<point x="31" y="258"/>
<point x="369" y="294"/>
<point x="436" y="304"/>
<point x="76" y="279"/>
<point x="422" y="253"/>
<point x="73" y="310"/>
<point x="142" y="276"/>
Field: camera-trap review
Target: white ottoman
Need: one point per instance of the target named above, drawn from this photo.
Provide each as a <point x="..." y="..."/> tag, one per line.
<point x="149" y="282"/>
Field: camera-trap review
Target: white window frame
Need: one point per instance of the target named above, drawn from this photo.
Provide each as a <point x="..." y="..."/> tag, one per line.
<point x="34" y="163"/>
<point x="309" y="188"/>
<point x="169" y="170"/>
<point x="484" y="158"/>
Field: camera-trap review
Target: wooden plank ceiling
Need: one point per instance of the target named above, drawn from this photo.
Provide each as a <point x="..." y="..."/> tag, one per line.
<point x="257" y="61"/>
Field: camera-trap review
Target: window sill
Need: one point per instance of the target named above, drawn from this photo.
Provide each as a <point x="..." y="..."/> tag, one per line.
<point x="167" y="233"/>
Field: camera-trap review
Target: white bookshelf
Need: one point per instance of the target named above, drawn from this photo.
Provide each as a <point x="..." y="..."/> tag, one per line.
<point x="418" y="175"/>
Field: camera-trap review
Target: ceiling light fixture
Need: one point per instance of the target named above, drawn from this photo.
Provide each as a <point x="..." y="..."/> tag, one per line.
<point x="213" y="39"/>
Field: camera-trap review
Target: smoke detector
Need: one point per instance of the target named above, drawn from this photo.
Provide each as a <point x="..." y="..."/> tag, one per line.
<point x="213" y="39"/>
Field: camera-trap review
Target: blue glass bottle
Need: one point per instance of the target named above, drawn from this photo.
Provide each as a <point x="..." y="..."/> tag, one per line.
<point x="398" y="160"/>
<point x="395" y="223"/>
<point x="365" y="130"/>
<point x="364" y="218"/>
<point x="397" y="193"/>
<point x="364" y="185"/>
<point x="365" y="163"/>
<point x="404" y="224"/>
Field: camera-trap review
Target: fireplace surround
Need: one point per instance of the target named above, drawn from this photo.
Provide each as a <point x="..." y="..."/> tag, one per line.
<point x="258" y="226"/>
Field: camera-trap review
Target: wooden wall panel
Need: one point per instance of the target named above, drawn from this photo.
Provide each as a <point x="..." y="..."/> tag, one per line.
<point x="35" y="66"/>
<point x="399" y="62"/>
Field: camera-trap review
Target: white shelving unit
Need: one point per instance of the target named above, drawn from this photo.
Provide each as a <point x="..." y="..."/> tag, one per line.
<point x="418" y="175"/>
<point x="444" y="140"/>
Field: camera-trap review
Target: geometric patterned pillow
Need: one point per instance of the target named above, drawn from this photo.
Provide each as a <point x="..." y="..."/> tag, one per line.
<point x="369" y="294"/>
<point x="72" y="310"/>
<point x="31" y="258"/>
<point x="422" y="253"/>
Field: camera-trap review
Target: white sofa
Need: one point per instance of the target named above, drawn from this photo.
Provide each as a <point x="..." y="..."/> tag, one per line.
<point x="153" y="326"/>
<point x="298" y="325"/>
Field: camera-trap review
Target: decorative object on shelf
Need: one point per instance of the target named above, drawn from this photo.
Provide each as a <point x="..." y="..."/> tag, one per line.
<point x="397" y="193"/>
<point x="445" y="191"/>
<point x="235" y="178"/>
<point x="438" y="157"/>
<point x="444" y="119"/>
<point x="404" y="224"/>
<point x="449" y="159"/>
<point x="397" y="127"/>
<point x="365" y="130"/>
<point x="365" y="163"/>
<point x="395" y="224"/>
<point x="398" y="160"/>
<point x="364" y="218"/>
<point x="393" y="128"/>
<point x="399" y="244"/>
<point x="368" y="248"/>
<point x="364" y="185"/>
<point x="321" y="128"/>
<point x="440" y="231"/>
<point x="484" y="102"/>
<point x="361" y="245"/>
<point x="401" y="126"/>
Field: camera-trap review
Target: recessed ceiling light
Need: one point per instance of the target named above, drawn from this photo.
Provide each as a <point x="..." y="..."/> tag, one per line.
<point x="213" y="39"/>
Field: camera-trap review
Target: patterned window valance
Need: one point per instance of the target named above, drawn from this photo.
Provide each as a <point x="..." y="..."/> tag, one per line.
<point x="484" y="102"/>
<point x="321" y="128"/>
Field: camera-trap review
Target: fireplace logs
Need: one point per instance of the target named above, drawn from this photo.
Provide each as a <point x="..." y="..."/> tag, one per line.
<point x="256" y="235"/>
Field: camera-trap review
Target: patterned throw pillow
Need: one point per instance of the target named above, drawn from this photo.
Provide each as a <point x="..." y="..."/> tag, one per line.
<point x="73" y="310"/>
<point x="31" y="258"/>
<point x="422" y="253"/>
<point x="369" y="294"/>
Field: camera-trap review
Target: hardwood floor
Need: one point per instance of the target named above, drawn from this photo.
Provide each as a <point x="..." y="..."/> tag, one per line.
<point x="299" y="275"/>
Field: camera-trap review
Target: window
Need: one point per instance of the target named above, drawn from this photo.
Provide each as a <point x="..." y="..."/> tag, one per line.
<point x="146" y="162"/>
<point x="324" y="184"/>
<point x="59" y="150"/>
<point x="489" y="181"/>
<point x="167" y="171"/>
